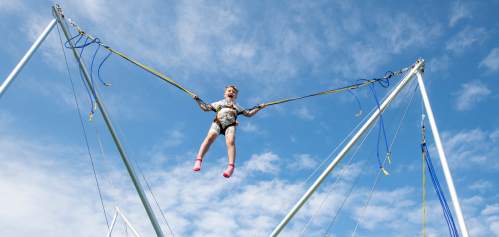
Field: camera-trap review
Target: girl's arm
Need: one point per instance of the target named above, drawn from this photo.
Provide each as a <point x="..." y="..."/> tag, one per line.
<point x="204" y="107"/>
<point x="253" y="112"/>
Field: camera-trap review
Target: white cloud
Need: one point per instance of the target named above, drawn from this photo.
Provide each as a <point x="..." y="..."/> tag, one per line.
<point x="304" y="113"/>
<point x="266" y="162"/>
<point x="470" y="94"/>
<point x="494" y="135"/>
<point x="490" y="209"/>
<point x="251" y="128"/>
<point x="300" y="162"/>
<point x="6" y="5"/>
<point x="352" y="171"/>
<point x="481" y="186"/>
<point x="459" y="11"/>
<point x="494" y="227"/>
<point x="439" y="63"/>
<point x="469" y="146"/>
<point x="491" y="61"/>
<point x="464" y="39"/>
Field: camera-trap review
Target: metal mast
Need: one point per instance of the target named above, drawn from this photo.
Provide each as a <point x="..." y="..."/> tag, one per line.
<point x="116" y="139"/>
<point x="347" y="148"/>
<point x="26" y="58"/>
<point x="443" y="160"/>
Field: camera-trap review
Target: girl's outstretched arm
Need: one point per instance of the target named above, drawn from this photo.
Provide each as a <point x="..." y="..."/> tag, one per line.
<point x="253" y="112"/>
<point x="204" y="107"/>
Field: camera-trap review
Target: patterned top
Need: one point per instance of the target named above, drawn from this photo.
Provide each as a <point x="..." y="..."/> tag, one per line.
<point x="236" y="107"/>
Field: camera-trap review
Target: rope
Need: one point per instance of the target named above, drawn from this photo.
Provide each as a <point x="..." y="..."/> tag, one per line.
<point x="324" y="161"/>
<point x="161" y="76"/>
<point x="83" y="128"/>
<point x="379" y="173"/>
<point x="438" y="189"/>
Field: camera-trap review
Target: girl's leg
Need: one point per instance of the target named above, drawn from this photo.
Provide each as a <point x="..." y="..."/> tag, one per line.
<point x="205" y="146"/>
<point x="231" y="150"/>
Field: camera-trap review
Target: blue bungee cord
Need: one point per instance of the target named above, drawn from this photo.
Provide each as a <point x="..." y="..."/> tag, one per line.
<point x="380" y="122"/>
<point x="438" y="189"/>
<point x="358" y="102"/>
<point x="82" y="47"/>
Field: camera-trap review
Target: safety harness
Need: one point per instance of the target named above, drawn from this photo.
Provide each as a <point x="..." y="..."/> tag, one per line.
<point x="217" y="120"/>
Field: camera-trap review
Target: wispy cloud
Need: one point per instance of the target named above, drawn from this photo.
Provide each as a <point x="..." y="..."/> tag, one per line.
<point x="439" y="63"/>
<point x="304" y="113"/>
<point x="491" y="61"/>
<point x="464" y="39"/>
<point x="481" y="186"/>
<point x="491" y="209"/>
<point x="266" y="162"/>
<point x="470" y="94"/>
<point x="469" y="147"/>
<point x="459" y="10"/>
<point x="303" y="161"/>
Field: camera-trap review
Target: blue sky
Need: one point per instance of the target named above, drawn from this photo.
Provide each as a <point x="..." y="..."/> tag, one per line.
<point x="270" y="51"/>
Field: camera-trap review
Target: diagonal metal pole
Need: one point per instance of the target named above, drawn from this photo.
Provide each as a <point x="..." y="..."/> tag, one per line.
<point x="112" y="225"/>
<point x="109" y="123"/>
<point x="346" y="149"/>
<point x="26" y="58"/>
<point x="127" y="222"/>
<point x="443" y="160"/>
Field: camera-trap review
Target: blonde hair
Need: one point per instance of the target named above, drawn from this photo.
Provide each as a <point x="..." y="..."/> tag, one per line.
<point x="233" y="87"/>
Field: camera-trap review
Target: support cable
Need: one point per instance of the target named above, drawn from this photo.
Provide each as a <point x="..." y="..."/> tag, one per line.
<point x="126" y="142"/>
<point x="358" y="177"/>
<point x="325" y="161"/>
<point x="347" y="167"/>
<point x="83" y="128"/>
<point x="379" y="173"/>
<point x="341" y="174"/>
<point x="97" y="133"/>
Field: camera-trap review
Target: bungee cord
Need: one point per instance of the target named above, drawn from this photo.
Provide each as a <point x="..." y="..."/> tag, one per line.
<point x="365" y="82"/>
<point x="372" y="127"/>
<point x="379" y="173"/>
<point x="438" y="189"/>
<point x="360" y="123"/>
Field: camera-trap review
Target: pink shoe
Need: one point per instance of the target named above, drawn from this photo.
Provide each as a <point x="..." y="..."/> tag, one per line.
<point x="197" y="166"/>
<point x="229" y="171"/>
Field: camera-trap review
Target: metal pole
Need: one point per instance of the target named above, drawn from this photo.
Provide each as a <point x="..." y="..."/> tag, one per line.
<point x="26" y="58"/>
<point x="116" y="139"/>
<point x="443" y="160"/>
<point x="127" y="222"/>
<point x="345" y="150"/>
<point x="112" y="225"/>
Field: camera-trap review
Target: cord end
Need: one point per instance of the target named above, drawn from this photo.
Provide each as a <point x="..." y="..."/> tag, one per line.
<point x="384" y="171"/>
<point x="358" y="114"/>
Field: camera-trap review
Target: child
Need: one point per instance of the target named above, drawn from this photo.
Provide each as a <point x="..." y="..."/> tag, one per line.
<point x="225" y="123"/>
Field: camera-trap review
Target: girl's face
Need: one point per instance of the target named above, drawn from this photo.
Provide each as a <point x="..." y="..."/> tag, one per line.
<point x="230" y="94"/>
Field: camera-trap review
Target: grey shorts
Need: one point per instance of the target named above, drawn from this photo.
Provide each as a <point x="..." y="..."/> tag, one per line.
<point x="225" y="120"/>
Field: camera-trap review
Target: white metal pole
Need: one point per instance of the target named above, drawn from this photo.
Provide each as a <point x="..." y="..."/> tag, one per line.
<point x="26" y="58"/>
<point x="109" y="124"/>
<point x="112" y="225"/>
<point x="127" y="222"/>
<point x="443" y="160"/>
<point x="347" y="148"/>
